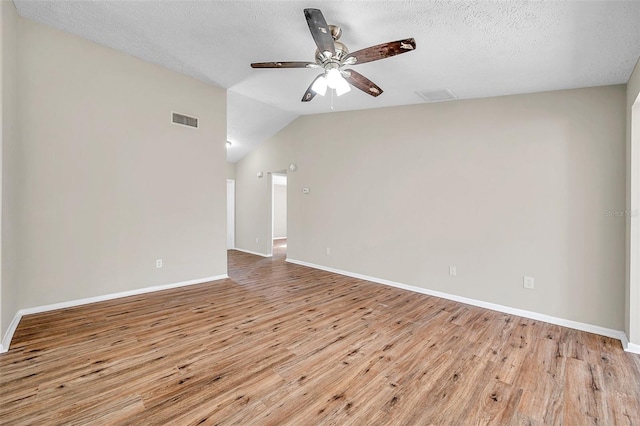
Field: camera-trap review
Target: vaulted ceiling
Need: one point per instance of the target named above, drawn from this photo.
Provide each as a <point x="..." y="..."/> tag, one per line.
<point x="474" y="49"/>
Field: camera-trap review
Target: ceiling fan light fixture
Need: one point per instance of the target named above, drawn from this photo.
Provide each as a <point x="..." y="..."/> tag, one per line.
<point x="342" y="87"/>
<point x="320" y="86"/>
<point x="333" y="78"/>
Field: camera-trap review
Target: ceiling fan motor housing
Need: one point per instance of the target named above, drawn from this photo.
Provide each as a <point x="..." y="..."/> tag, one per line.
<point x="341" y="52"/>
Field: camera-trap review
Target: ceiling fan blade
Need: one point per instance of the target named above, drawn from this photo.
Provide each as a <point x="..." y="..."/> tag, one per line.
<point x="381" y="51"/>
<point x="284" y="65"/>
<point x="310" y="94"/>
<point x="320" y="31"/>
<point x="361" y="82"/>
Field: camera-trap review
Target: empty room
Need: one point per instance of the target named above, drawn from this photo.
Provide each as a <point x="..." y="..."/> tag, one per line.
<point x="330" y="212"/>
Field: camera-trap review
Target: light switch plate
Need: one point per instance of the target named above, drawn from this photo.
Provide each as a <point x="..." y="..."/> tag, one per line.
<point x="528" y="283"/>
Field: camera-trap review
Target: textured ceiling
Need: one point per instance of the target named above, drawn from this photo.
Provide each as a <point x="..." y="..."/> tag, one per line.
<point x="475" y="49"/>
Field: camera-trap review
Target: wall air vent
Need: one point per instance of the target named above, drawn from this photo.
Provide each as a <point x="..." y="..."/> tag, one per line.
<point x="437" y="95"/>
<point x="184" y="120"/>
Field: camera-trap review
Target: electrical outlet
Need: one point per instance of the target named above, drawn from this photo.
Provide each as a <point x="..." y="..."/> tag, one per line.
<point x="257" y="239"/>
<point x="528" y="283"/>
<point x="328" y="250"/>
<point x="159" y="263"/>
<point x="453" y="271"/>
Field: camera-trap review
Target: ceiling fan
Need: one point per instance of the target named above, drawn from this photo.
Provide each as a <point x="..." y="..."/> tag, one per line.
<point x="332" y="56"/>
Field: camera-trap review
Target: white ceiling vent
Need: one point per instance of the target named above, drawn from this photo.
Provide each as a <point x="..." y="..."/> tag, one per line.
<point x="436" y="95"/>
<point x="184" y="120"/>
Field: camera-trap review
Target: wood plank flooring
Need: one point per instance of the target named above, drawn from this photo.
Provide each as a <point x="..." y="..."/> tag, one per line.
<point x="284" y="344"/>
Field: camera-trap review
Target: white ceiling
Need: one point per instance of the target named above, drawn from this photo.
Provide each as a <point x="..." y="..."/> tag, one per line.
<point x="251" y="122"/>
<point x="475" y="49"/>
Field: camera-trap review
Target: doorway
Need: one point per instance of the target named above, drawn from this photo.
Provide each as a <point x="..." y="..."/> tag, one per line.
<point x="231" y="214"/>
<point x="279" y="213"/>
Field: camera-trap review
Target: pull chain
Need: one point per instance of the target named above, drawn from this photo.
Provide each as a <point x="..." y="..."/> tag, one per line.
<point x="331" y="99"/>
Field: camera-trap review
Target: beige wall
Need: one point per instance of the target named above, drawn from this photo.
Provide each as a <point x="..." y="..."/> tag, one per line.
<point x="9" y="163"/>
<point x="632" y="290"/>
<point x="231" y="170"/>
<point x="500" y="187"/>
<point x="109" y="185"/>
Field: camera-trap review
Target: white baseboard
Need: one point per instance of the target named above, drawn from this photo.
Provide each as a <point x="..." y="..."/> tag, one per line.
<point x="631" y="347"/>
<point x="590" y="328"/>
<point x="254" y="252"/>
<point x="6" y="341"/>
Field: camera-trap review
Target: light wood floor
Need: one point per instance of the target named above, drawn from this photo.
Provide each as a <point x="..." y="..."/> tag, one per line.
<point x="283" y="344"/>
